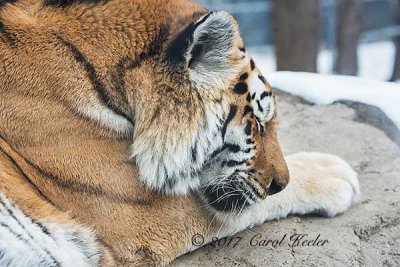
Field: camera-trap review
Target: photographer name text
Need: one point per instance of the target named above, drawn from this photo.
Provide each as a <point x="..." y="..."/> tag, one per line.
<point x="259" y="240"/>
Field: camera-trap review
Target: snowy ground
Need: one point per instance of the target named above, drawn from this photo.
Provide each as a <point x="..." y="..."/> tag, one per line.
<point x="375" y="60"/>
<point x="327" y="89"/>
<point x="371" y="88"/>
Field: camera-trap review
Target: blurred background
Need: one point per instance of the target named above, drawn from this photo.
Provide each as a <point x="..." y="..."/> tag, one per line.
<point x="350" y="37"/>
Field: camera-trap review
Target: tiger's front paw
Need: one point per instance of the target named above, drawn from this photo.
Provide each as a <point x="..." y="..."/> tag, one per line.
<point x="323" y="183"/>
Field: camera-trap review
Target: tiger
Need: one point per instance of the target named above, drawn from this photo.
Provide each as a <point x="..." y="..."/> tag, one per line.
<point x="128" y="127"/>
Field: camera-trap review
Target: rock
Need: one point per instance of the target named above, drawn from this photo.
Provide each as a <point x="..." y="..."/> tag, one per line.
<point x="366" y="235"/>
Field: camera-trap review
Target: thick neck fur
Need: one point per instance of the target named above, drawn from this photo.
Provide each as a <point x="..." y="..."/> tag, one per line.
<point x="51" y="117"/>
<point x="48" y="111"/>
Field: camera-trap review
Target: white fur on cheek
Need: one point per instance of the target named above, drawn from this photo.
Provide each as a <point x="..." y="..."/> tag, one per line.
<point x="170" y="163"/>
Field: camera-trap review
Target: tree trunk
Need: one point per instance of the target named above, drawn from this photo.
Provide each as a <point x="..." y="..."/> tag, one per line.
<point x="396" y="69"/>
<point x="296" y="34"/>
<point x="348" y="30"/>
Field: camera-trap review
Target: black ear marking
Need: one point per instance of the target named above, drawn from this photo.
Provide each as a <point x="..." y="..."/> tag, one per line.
<point x="180" y="45"/>
<point x="204" y="49"/>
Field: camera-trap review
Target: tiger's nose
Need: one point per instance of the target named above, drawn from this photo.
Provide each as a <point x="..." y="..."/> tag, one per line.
<point x="275" y="188"/>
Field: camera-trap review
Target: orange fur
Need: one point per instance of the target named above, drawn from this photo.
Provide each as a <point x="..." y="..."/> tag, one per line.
<point x="66" y="167"/>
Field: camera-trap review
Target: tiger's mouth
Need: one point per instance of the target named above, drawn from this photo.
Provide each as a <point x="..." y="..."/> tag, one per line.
<point x="227" y="197"/>
<point x="237" y="192"/>
<point x="235" y="189"/>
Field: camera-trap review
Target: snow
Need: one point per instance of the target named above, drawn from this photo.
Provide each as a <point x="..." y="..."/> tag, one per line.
<point x="375" y="59"/>
<point x="326" y="89"/>
<point x="375" y="66"/>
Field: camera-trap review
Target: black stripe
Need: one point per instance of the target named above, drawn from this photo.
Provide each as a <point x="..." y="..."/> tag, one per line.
<point x="247" y="130"/>
<point x="249" y="141"/>
<point x="83" y="188"/>
<point x="217" y="152"/>
<point x="263" y="95"/>
<point x="248" y="150"/>
<point x="264" y="81"/>
<point x="170" y="183"/>
<point x="119" y="77"/>
<point x="4" y="2"/>
<point x="232" y="147"/>
<point x="66" y="3"/>
<point x="194" y="153"/>
<point x="41" y="226"/>
<point x="247" y="109"/>
<point x="11" y="213"/>
<point x="248" y="98"/>
<point x="255" y="191"/>
<point x="228" y="146"/>
<point x="231" y="115"/>
<point x="9" y="37"/>
<point x="23" y="175"/>
<point x="118" y="83"/>
<point x="203" y="19"/>
<point x="244" y="76"/>
<point x="38" y="224"/>
<point x="252" y="64"/>
<point x="262" y="129"/>
<point x="92" y="75"/>
<point x="259" y="106"/>
<point x="73" y="186"/>
<point x="258" y="119"/>
<point x="233" y="163"/>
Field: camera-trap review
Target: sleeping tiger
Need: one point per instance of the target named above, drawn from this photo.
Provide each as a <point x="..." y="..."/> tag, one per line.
<point x="127" y="127"/>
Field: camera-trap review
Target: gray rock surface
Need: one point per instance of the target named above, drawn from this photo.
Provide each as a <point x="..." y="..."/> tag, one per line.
<point x="369" y="233"/>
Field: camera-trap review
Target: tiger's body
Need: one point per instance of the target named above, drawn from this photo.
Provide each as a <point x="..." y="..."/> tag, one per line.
<point x="127" y="127"/>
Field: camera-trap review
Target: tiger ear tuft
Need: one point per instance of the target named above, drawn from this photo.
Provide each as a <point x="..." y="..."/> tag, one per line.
<point x="205" y="48"/>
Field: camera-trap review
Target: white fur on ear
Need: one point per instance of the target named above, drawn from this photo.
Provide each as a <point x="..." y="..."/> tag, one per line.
<point x="209" y="56"/>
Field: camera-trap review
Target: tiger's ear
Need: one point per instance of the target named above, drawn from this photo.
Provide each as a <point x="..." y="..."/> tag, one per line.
<point x="206" y="49"/>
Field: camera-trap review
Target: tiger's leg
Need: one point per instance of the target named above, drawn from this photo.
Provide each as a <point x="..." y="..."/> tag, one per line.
<point x="320" y="184"/>
<point x="33" y="232"/>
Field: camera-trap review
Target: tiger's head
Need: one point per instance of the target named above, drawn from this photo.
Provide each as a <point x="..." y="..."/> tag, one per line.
<point x="205" y="118"/>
